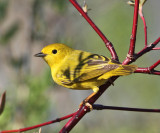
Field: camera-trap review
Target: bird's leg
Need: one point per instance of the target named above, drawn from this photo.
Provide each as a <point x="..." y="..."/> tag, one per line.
<point x="85" y="101"/>
<point x="90" y="96"/>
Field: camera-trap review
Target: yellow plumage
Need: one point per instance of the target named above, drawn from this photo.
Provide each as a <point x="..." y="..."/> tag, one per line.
<point x="81" y="70"/>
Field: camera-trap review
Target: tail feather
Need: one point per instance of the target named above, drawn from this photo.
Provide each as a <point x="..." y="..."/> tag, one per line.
<point x="124" y="70"/>
<point x="120" y="71"/>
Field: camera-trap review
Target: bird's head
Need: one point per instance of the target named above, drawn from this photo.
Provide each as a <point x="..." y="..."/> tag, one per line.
<point x="54" y="54"/>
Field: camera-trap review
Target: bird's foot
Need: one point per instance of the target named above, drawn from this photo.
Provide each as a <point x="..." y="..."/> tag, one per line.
<point x="86" y="103"/>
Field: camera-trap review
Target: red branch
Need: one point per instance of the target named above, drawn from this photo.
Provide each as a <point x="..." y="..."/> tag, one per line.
<point x="149" y="70"/>
<point x="98" y="31"/>
<point x="148" y="48"/>
<point x="131" y="51"/>
<point x="156" y="48"/>
<point x="144" y="23"/>
<point x="102" y="107"/>
<point x="154" y="65"/>
<point x="39" y="125"/>
<point x="145" y="50"/>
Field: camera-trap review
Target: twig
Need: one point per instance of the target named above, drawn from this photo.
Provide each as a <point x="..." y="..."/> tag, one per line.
<point x="102" y="107"/>
<point x="144" y="23"/>
<point x="147" y="49"/>
<point x="39" y="125"/>
<point x="154" y="65"/>
<point x="158" y="48"/>
<point x="131" y="52"/>
<point x="149" y="70"/>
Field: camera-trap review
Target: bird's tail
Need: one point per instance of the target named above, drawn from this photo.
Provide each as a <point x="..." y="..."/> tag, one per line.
<point x="120" y="71"/>
<point x="124" y="70"/>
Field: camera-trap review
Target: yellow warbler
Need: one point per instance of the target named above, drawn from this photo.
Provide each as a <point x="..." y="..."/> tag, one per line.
<point x="76" y="69"/>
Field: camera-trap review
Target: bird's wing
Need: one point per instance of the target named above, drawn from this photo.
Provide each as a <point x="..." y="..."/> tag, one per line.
<point x="87" y="68"/>
<point x="94" y="68"/>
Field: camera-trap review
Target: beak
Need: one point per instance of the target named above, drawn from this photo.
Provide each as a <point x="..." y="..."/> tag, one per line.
<point x="40" y="54"/>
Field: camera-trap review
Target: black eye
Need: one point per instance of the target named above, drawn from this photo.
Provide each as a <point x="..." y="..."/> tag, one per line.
<point x="54" y="51"/>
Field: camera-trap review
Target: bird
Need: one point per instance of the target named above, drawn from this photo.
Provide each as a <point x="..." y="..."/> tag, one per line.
<point x="81" y="70"/>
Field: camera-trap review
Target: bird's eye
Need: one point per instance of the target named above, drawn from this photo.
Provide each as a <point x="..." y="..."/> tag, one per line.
<point x="54" y="51"/>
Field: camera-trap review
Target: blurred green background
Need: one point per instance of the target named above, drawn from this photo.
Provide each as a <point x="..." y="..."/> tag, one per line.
<point x="32" y="97"/>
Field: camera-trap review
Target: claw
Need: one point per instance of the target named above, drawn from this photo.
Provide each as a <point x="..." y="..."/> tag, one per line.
<point x="89" y="106"/>
<point x="86" y="103"/>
